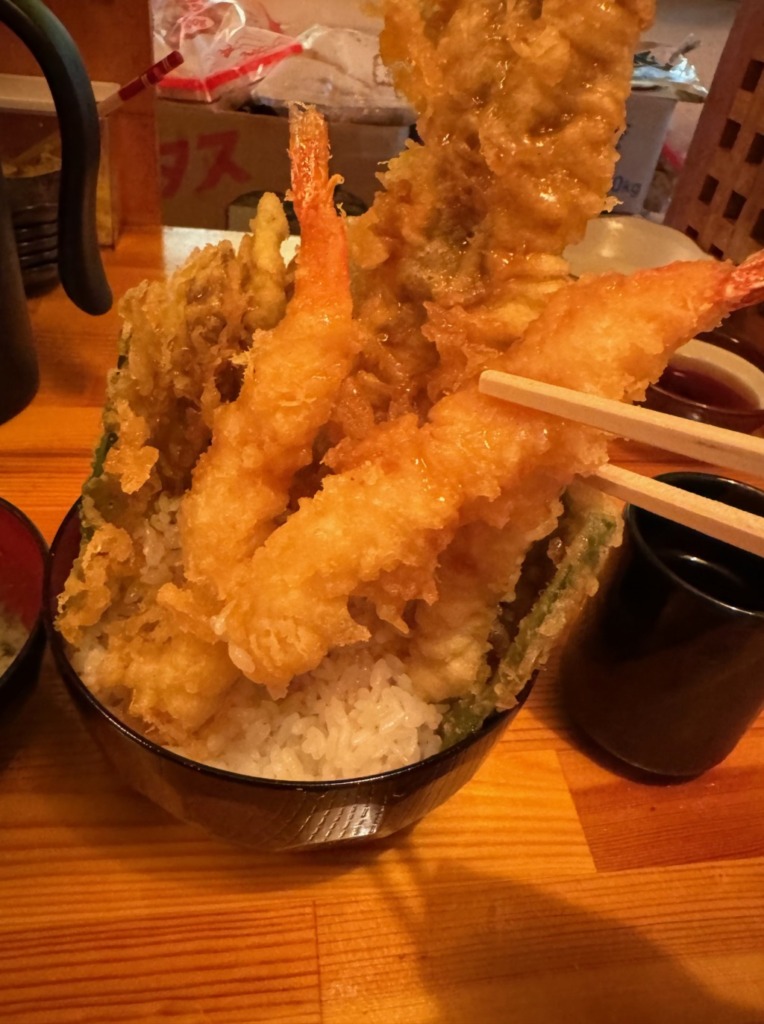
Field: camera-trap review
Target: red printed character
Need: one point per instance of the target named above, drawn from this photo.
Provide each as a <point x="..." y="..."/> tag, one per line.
<point x="173" y="163"/>
<point x="223" y="146"/>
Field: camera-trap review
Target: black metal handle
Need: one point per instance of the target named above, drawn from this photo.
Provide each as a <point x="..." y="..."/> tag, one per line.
<point x="79" y="260"/>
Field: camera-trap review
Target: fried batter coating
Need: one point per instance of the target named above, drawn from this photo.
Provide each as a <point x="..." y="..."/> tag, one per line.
<point x="520" y="105"/>
<point x="609" y="335"/>
<point x="481" y="567"/>
<point x="166" y="677"/>
<point x="241" y="483"/>
<point x="181" y="343"/>
<point x="145" y="660"/>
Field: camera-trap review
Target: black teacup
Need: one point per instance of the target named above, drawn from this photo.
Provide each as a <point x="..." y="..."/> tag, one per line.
<point x="666" y="668"/>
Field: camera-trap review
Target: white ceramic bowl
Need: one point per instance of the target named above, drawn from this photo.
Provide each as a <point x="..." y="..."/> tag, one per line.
<point x="626" y="244"/>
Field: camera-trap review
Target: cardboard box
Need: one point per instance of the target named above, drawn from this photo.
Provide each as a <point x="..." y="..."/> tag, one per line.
<point x="214" y="162"/>
<point x="647" y="119"/>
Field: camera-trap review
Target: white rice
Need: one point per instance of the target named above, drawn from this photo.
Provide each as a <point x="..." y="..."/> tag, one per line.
<point x="13" y="636"/>
<point x="353" y="716"/>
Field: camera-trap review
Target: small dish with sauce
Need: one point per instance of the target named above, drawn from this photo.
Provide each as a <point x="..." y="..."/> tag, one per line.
<point x="716" y="378"/>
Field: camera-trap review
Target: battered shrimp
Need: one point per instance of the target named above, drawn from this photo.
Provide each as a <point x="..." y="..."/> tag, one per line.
<point x="519" y="106"/>
<point x="241" y="484"/>
<point x="609" y="335"/>
<point x="480" y="567"/>
<point x="451" y="637"/>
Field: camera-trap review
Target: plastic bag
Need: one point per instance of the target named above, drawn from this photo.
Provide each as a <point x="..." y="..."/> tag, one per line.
<point x="341" y="73"/>
<point x="666" y="70"/>
<point x="225" y="46"/>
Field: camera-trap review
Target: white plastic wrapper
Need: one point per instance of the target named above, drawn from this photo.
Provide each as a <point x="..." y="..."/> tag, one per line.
<point x="225" y="46"/>
<point x="667" y="71"/>
<point x="341" y="73"/>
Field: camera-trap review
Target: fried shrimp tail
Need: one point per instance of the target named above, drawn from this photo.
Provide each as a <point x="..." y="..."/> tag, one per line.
<point x="241" y="483"/>
<point x="746" y="283"/>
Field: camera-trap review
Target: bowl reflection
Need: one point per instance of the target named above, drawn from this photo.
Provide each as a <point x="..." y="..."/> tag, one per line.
<point x="262" y="813"/>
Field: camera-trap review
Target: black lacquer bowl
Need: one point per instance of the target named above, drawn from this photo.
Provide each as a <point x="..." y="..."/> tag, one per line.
<point x="261" y="813"/>
<point x="22" y="565"/>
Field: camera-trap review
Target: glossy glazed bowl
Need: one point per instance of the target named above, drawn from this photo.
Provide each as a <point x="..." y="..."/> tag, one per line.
<point x="261" y="813"/>
<point x="717" y="378"/>
<point x="22" y="566"/>
<point x="665" y="670"/>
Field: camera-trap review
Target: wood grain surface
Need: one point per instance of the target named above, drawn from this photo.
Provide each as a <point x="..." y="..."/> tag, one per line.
<point x="549" y="889"/>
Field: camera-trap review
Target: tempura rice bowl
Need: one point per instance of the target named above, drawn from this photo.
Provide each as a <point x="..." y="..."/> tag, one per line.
<point x="264" y="813"/>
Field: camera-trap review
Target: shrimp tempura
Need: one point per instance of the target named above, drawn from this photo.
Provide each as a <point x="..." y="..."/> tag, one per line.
<point x="519" y="107"/>
<point x="609" y="335"/>
<point x="241" y="483"/>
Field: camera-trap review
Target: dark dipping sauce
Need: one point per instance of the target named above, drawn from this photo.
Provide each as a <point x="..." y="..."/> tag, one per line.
<point x="696" y="386"/>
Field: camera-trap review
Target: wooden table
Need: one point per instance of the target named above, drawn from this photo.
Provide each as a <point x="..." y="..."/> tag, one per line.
<point x="549" y="889"/>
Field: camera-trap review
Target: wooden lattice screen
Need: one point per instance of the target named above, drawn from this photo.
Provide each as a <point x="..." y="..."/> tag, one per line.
<point x="719" y="197"/>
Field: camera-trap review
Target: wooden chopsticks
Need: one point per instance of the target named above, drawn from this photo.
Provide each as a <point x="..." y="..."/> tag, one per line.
<point x="696" y="440"/>
<point x="701" y="441"/>
<point x="714" y="518"/>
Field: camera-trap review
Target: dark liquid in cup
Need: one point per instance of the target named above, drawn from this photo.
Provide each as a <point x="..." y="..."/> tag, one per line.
<point x="696" y="386"/>
<point x="666" y="669"/>
<point x="720" y="582"/>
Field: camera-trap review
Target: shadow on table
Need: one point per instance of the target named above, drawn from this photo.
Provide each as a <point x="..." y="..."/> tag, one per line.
<point x="500" y="951"/>
<point x="17" y="725"/>
<point x="425" y="939"/>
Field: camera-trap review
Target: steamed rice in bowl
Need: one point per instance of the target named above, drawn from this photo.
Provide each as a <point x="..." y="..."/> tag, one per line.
<point x="357" y="715"/>
<point x="231" y="777"/>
